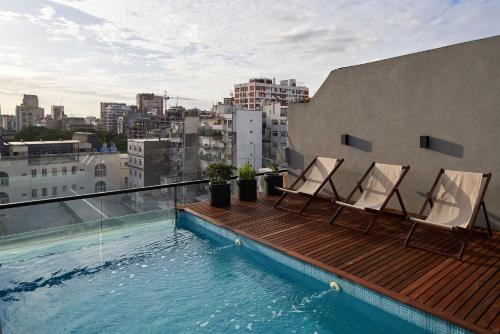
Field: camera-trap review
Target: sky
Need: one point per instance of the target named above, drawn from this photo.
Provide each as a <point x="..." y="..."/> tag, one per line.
<point x="80" y="52"/>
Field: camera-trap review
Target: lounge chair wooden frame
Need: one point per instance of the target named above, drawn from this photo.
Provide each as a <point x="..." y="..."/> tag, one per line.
<point x="479" y="204"/>
<point x="311" y="197"/>
<point x="376" y="212"/>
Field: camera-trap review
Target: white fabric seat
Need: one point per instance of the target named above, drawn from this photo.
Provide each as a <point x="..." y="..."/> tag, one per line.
<point x="377" y="187"/>
<point x="456" y="198"/>
<point x="311" y="181"/>
<point x="315" y="176"/>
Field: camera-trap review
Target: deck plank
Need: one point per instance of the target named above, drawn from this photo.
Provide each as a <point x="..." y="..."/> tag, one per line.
<point x="464" y="292"/>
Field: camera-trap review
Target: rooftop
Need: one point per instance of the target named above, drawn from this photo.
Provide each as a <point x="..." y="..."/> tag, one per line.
<point x="147" y="139"/>
<point x="44" y="142"/>
<point x="466" y="292"/>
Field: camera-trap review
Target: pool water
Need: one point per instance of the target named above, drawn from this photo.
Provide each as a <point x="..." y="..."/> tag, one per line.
<point x="157" y="278"/>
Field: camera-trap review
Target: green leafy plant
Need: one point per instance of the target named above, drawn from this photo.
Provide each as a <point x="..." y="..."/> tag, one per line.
<point x="247" y="172"/>
<point x="219" y="172"/>
<point x="275" y="169"/>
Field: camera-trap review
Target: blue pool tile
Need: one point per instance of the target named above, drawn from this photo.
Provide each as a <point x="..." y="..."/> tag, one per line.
<point x="394" y="307"/>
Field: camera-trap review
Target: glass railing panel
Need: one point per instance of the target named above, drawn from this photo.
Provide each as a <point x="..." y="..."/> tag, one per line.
<point x="51" y="221"/>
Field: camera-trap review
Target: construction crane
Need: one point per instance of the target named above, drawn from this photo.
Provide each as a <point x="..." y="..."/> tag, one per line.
<point x="165" y="99"/>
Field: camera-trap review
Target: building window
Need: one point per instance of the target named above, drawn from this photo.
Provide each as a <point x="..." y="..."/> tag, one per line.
<point x="64" y="189"/>
<point x="73" y="170"/>
<point x="283" y="134"/>
<point x="44" y="191"/>
<point x="100" y="186"/>
<point x="4" y="198"/>
<point x="44" y="172"/>
<point x="54" y="171"/>
<point x="282" y="122"/>
<point x="64" y="170"/>
<point x="274" y="122"/>
<point x="33" y="173"/>
<point x="4" y="179"/>
<point x="275" y="133"/>
<point x="33" y="193"/>
<point x="100" y="170"/>
<point x="73" y="186"/>
<point x="140" y="162"/>
<point x="54" y="191"/>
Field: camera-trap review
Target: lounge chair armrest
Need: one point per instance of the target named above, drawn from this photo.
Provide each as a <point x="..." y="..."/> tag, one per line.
<point x="431" y="223"/>
<point x="290" y="191"/>
<point x="347" y="205"/>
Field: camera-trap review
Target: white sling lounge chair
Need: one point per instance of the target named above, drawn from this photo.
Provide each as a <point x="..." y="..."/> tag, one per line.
<point x="313" y="179"/>
<point x="456" y="205"/>
<point x="377" y="186"/>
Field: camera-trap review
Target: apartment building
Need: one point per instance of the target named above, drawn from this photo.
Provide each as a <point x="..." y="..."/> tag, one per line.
<point x="173" y="158"/>
<point x="184" y="148"/>
<point x="57" y="112"/>
<point x="274" y="130"/>
<point x="74" y="123"/>
<point x="253" y="94"/>
<point x="148" y="159"/>
<point x="232" y="135"/>
<point x="110" y="112"/>
<point x="44" y="169"/>
<point x="29" y="113"/>
<point x="150" y="104"/>
<point x="9" y="122"/>
<point x="92" y="121"/>
<point x="139" y="125"/>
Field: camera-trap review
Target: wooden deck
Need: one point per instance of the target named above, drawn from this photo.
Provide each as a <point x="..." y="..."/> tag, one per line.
<point x="465" y="292"/>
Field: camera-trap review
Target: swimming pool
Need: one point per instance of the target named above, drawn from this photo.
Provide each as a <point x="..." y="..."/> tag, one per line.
<point x="159" y="278"/>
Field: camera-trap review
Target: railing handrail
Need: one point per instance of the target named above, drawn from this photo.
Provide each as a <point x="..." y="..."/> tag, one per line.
<point x="113" y="192"/>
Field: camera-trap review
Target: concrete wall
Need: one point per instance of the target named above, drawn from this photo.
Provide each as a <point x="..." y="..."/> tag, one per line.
<point x="248" y="132"/>
<point x="451" y="94"/>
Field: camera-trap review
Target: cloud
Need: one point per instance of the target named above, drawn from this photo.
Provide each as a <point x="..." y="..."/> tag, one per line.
<point x="47" y="13"/>
<point x="84" y="51"/>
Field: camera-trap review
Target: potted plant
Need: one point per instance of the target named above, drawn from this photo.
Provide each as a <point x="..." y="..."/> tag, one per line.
<point x="273" y="179"/>
<point x="219" y="187"/>
<point x="247" y="183"/>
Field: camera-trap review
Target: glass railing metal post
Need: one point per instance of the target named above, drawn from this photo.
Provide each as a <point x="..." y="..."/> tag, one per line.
<point x="175" y="201"/>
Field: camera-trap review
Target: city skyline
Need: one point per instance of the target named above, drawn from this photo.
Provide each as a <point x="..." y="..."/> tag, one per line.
<point x="78" y="53"/>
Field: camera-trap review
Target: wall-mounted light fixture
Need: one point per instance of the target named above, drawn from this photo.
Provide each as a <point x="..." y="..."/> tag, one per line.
<point x="344" y="139"/>
<point x="424" y="141"/>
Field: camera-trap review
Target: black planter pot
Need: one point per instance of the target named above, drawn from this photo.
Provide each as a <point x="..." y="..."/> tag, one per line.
<point x="247" y="190"/>
<point x="220" y="194"/>
<point x="273" y="181"/>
